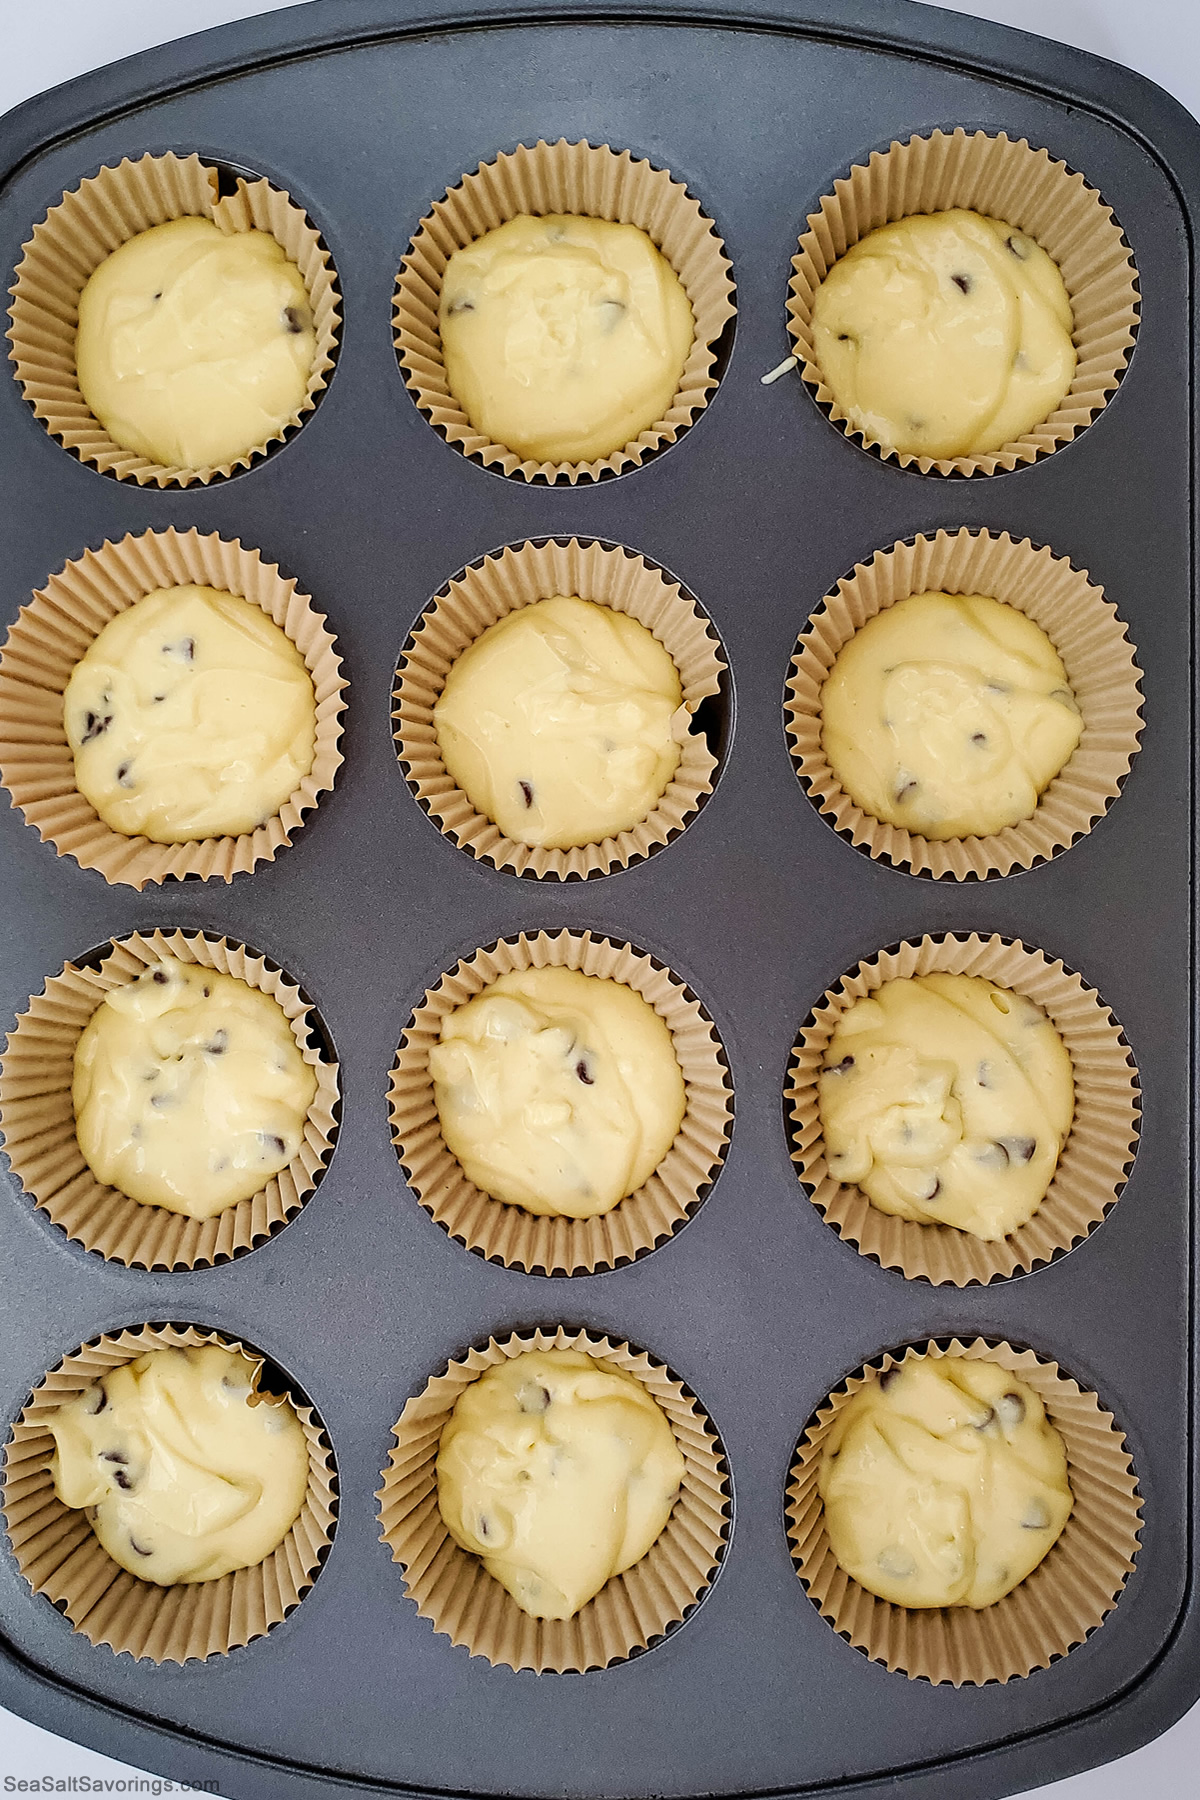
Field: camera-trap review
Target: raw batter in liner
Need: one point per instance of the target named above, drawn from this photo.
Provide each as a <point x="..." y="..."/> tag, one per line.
<point x="195" y="345"/>
<point x="948" y="714"/>
<point x="559" y="1472"/>
<point x="563" y="337"/>
<point x="563" y="722"/>
<point x="557" y="1091"/>
<point x="192" y="715"/>
<point x="945" y="334"/>
<point x="183" y="1478"/>
<point x="944" y="1483"/>
<point x="947" y="1100"/>
<point x="190" y="1092"/>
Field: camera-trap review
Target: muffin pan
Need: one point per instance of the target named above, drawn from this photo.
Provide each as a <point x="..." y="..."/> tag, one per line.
<point x="366" y="117"/>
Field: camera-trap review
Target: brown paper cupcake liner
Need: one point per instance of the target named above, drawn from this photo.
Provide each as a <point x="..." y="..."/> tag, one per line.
<point x="1096" y="1158"/>
<point x="452" y="1588"/>
<point x="550" y="1245"/>
<point x="1083" y="627"/>
<point x="52" y="633"/>
<point x="38" y="1120"/>
<point x="86" y="226"/>
<point x="488" y="591"/>
<point x="1060" y="1604"/>
<point x="589" y="181"/>
<point x="59" y="1555"/>
<point x="1006" y="180"/>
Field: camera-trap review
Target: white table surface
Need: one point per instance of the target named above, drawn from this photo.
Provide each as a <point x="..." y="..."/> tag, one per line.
<point x="47" y="41"/>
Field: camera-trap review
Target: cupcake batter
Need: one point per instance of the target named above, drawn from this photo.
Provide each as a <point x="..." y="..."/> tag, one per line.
<point x="945" y="334"/>
<point x="559" y="1472"/>
<point x="185" y="1471"/>
<point x="192" y="715"/>
<point x="190" y="1092"/>
<point x="564" y="338"/>
<point x="563" y="722"/>
<point x="195" y="345"/>
<point x="944" y="1483"/>
<point x="948" y="714"/>
<point x="947" y="1100"/>
<point x="557" y="1091"/>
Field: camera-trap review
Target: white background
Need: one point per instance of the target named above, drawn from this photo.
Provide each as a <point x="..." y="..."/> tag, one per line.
<point x="43" y="42"/>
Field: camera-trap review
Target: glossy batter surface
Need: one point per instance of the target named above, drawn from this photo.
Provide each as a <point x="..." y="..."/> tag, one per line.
<point x="194" y="345"/>
<point x="947" y="1099"/>
<point x="559" y="1472"/>
<point x="192" y="715"/>
<point x="184" y="1473"/>
<point x="189" y="1090"/>
<point x="562" y="722"/>
<point x="557" y="1091"/>
<point x="945" y="334"/>
<point x="563" y="338"/>
<point x="948" y="714"/>
<point x="944" y="1483"/>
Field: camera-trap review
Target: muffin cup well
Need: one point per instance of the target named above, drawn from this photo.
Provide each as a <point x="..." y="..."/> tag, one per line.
<point x="1005" y="180"/>
<point x="37" y="1117"/>
<point x="590" y="181"/>
<point x="1066" y="1597"/>
<point x="55" y="631"/>
<point x="85" y="227"/>
<point x="488" y="591"/>
<point x="552" y="1245"/>
<point x="1095" y="1160"/>
<point x="59" y="1555"/>
<point x="1083" y="627"/>
<point x="452" y="1588"/>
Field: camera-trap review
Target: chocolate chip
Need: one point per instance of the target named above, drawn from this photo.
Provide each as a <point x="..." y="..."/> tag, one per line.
<point x="95" y="725"/>
<point x="97" y="1399"/>
<point x="160" y="1102"/>
<point x="934" y="1191"/>
<point x="1037" y="1516"/>
<point x="122" y="1480"/>
<point x="998" y="687"/>
<point x="218" y="1043"/>
<point x="885" y="1381"/>
<point x="581" y="1069"/>
<point x="533" y="1397"/>
<point x="526" y="792"/>
<point x="158" y="698"/>
<point x="1011" y="1409"/>
<point x="123" y="775"/>
<point x="981" y="1075"/>
<point x="161" y="977"/>
<point x="113" y="1456"/>
<point x="906" y="785"/>
<point x="296" y="319"/>
<point x="1017" y="247"/>
<point x="978" y="737"/>
<point x="842" y="1068"/>
<point x="207" y="992"/>
<point x="989" y="1418"/>
<point x="460" y="305"/>
<point x="484" y="1527"/>
<point x="184" y="651"/>
<point x="273" y="1142"/>
<point x="843" y="337"/>
<point x="139" y="1549"/>
<point x="962" y="282"/>
<point x="1018" y="1149"/>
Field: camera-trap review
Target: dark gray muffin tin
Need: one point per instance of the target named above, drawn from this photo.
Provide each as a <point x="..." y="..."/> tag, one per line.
<point x="366" y="111"/>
